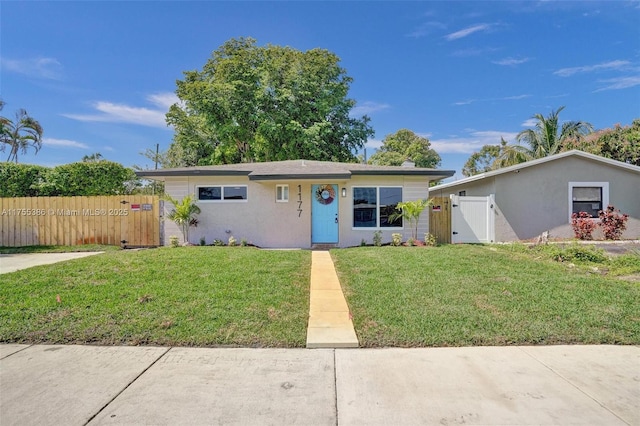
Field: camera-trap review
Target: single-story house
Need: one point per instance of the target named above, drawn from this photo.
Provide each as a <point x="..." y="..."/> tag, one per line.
<point x="296" y="203"/>
<point x="541" y="195"/>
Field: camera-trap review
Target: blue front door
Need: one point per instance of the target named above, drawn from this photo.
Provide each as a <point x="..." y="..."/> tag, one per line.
<point x="324" y="214"/>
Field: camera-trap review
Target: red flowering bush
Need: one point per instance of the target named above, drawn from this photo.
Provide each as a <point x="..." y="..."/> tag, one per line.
<point x="612" y="222"/>
<point x="583" y="225"/>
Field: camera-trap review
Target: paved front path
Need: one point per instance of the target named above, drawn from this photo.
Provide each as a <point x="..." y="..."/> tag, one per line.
<point x="330" y="324"/>
<point x="17" y="261"/>
<point x="548" y="385"/>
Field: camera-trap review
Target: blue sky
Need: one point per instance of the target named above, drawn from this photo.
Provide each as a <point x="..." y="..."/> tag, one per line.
<point x="99" y="76"/>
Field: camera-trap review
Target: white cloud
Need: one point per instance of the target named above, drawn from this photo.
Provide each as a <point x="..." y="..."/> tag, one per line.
<point x="620" y="83"/>
<point x="611" y="65"/>
<point x="368" y="108"/>
<point x="506" y="98"/>
<point x="467" y="31"/>
<point x="529" y="123"/>
<point x="511" y="61"/>
<point x="64" y="143"/>
<point x="164" y="100"/>
<point x="40" y="67"/>
<point x="110" y="112"/>
<point x="472" y="143"/>
<point x="514" y="98"/>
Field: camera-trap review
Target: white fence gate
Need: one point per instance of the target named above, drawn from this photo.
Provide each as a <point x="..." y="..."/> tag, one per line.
<point x="472" y="219"/>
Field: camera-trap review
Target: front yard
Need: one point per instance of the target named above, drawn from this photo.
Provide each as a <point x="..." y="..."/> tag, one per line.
<point x="189" y="296"/>
<point x="399" y="296"/>
<point x="460" y="295"/>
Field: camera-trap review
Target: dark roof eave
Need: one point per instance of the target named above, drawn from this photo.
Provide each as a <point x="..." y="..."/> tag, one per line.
<point x="300" y="176"/>
<point x="438" y="173"/>
<point x="164" y="173"/>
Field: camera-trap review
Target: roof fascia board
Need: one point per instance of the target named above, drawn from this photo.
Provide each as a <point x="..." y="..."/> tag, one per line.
<point x="296" y="176"/>
<point x="443" y="173"/>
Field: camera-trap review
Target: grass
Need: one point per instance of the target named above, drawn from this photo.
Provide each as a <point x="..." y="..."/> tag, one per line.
<point x="455" y="295"/>
<point x="187" y="296"/>
<point x="460" y="295"/>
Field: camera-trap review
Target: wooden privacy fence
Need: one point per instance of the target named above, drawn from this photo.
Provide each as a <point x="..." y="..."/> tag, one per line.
<point x="132" y="221"/>
<point x="440" y="219"/>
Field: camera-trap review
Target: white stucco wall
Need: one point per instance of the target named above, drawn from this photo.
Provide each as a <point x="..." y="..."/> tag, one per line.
<point x="266" y="223"/>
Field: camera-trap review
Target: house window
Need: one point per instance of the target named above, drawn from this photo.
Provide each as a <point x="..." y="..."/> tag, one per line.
<point x="590" y="197"/>
<point x="373" y="206"/>
<point x="282" y="193"/>
<point x="222" y="193"/>
<point x="462" y="193"/>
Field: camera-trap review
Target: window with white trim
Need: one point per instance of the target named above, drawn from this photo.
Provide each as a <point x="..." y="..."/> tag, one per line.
<point x="282" y="193"/>
<point x="589" y="197"/>
<point x="373" y="206"/>
<point x="222" y="193"/>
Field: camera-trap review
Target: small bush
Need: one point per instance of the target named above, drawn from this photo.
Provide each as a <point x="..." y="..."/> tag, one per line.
<point x="612" y="222"/>
<point x="243" y="242"/>
<point x="430" y="240"/>
<point x="583" y="225"/>
<point x="363" y="243"/>
<point x="396" y="239"/>
<point x="218" y="242"/>
<point x="377" y="238"/>
<point x="203" y="241"/>
<point x="232" y="241"/>
<point x="174" y="241"/>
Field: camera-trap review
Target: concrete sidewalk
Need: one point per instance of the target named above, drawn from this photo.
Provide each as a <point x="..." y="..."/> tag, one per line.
<point x="550" y="385"/>
<point x="18" y="261"/>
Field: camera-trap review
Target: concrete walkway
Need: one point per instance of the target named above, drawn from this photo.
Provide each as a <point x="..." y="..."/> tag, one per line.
<point x="18" y="261"/>
<point x="330" y="324"/>
<point x="542" y="385"/>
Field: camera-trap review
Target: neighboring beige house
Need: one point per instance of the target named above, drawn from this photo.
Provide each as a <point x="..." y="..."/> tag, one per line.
<point x="540" y="195"/>
<point x="296" y="203"/>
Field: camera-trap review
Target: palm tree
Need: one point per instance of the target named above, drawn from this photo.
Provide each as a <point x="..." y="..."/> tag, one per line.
<point x="544" y="139"/>
<point x="20" y="135"/>
<point x="183" y="213"/>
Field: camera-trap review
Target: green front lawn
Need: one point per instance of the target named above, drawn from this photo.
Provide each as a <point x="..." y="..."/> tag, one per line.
<point x="187" y="296"/>
<point x="399" y="296"/>
<point x="460" y="295"/>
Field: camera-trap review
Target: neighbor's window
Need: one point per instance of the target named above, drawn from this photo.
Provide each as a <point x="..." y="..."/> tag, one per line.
<point x="222" y="193"/>
<point x="590" y="197"/>
<point x="282" y="193"/>
<point x="372" y="207"/>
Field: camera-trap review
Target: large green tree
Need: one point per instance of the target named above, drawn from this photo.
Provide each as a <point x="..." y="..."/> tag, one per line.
<point x="19" y="135"/>
<point x="253" y="103"/>
<point x="482" y="161"/>
<point x="405" y="145"/>
<point x="620" y="143"/>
